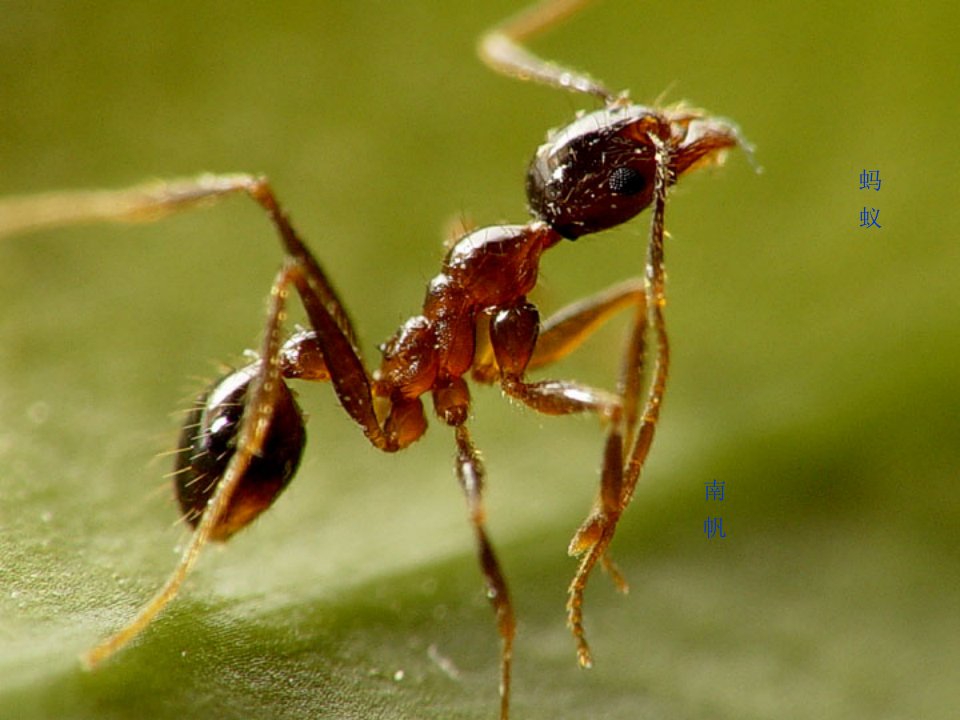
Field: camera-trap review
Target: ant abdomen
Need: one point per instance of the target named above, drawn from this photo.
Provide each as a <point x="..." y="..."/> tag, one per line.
<point x="208" y="442"/>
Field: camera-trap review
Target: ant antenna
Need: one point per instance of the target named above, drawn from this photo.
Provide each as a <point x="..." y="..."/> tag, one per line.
<point x="502" y="51"/>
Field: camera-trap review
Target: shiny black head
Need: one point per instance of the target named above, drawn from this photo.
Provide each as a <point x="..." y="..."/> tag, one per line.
<point x="599" y="171"/>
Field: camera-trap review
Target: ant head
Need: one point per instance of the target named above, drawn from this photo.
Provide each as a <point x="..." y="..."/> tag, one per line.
<point x="599" y="171"/>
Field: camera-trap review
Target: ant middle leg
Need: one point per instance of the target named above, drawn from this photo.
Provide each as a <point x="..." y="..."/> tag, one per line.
<point x="451" y="400"/>
<point x="470" y="473"/>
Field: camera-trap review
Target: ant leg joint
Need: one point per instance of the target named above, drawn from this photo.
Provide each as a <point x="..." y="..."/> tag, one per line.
<point x="405" y="424"/>
<point x="301" y="357"/>
<point x="451" y="400"/>
<point x="513" y="334"/>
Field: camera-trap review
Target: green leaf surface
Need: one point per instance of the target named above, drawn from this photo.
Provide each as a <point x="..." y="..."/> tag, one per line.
<point x="814" y="368"/>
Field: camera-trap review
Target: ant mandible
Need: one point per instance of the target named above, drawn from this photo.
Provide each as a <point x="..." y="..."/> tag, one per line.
<point x="242" y="441"/>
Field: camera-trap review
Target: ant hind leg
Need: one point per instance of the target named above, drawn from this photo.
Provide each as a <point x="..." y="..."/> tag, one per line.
<point x="258" y="412"/>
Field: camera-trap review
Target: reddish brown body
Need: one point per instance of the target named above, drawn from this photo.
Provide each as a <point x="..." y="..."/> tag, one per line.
<point x="485" y="270"/>
<point x="242" y="442"/>
<point x="598" y="172"/>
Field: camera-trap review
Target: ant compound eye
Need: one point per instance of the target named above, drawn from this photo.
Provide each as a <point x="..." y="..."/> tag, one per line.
<point x="626" y="181"/>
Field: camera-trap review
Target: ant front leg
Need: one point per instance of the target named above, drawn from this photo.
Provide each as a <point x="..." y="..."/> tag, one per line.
<point x="518" y="344"/>
<point x="619" y="481"/>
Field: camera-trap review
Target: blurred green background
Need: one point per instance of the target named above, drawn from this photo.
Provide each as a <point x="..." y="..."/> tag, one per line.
<point x="814" y="367"/>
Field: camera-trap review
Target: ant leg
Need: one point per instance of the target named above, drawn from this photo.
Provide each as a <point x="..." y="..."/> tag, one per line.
<point x="153" y="201"/>
<point x="501" y="49"/>
<point x="257" y="415"/>
<point x="146" y="202"/>
<point x="656" y="301"/>
<point x="592" y="539"/>
<point x="516" y="346"/>
<point x="561" y="334"/>
<point x="333" y="339"/>
<point x="565" y="330"/>
<point x="594" y="536"/>
<point x="470" y="473"/>
<point x="336" y="337"/>
<point x="513" y="336"/>
<point x="451" y="400"/>
<point x="338" y="363"/>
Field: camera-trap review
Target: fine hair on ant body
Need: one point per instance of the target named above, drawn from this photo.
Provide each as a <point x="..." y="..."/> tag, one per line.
<point x="242" y="441"/>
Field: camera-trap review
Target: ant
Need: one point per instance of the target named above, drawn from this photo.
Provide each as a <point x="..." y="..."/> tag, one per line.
<point x="242" y="441"/>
